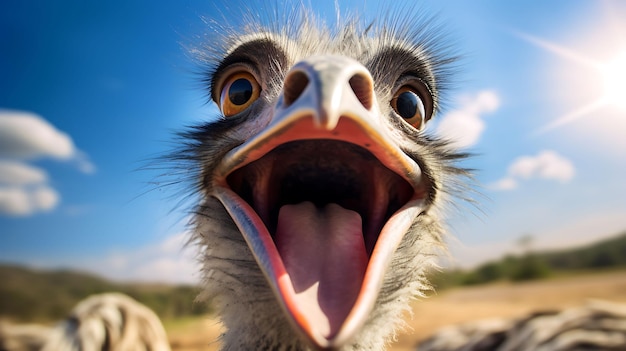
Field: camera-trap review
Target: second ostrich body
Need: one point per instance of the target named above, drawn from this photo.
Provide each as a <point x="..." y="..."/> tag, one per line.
<point x="320" y="194"/>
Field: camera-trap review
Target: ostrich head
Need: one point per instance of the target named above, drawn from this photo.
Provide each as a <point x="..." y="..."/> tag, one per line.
<point x="319" y="192"/>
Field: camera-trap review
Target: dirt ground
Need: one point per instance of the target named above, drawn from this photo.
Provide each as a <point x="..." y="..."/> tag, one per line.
<point x="451" y="307"/>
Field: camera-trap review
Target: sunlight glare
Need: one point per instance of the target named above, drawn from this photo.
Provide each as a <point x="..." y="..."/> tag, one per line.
<point x="614" y="77"/>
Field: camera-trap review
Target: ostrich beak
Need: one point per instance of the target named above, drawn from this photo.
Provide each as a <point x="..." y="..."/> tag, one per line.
<point x="323" y="196"/>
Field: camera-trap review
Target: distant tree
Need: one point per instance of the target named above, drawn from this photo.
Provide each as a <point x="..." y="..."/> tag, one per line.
<point x="525" y="243"/>
<point x="530" y="267"/>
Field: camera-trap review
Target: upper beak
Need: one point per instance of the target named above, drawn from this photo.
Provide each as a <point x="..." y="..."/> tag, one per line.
<point x="330" y="98"/>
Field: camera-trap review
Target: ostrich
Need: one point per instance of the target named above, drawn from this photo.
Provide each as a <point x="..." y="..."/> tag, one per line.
<point x="104" y="322"/>
<point x="110" y="321"/>
<point x="319" y="194"/>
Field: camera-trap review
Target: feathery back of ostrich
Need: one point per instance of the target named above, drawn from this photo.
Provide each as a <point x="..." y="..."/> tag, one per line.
<point x="320" y="192"/>
<point x="110" y="321"/>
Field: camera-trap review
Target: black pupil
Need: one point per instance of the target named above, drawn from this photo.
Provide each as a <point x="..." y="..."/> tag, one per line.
<point x="240" y="91"/>
<point x="407" y="104"/>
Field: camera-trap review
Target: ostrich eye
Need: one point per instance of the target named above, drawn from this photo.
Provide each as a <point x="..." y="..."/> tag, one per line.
<point x="238" y="92"/>
<point x="408" y="105"/>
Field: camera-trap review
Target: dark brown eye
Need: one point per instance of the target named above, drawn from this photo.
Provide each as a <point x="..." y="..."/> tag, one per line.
<point x="238" y="92"/>
<point x="407" y="104"/>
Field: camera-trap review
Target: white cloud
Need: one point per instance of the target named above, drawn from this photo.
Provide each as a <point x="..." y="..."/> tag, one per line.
<point x="23" y="189"/>
<point x="14" y="201"/>
<point x="76" y="210"/>
<point x="84" y="165"/>
<point x="24" y="201"/>
<point x="165" y="261"/>
<point x="44" y="198"/>
<point x="507" y="183"/>
<point x="25" y="136"/>
<point x="464" y="126"/>
<point x="18" y="173"/>
<point x="469" y="256"/>
<point x="545" y="165"/>
<point x="583" y="230"/>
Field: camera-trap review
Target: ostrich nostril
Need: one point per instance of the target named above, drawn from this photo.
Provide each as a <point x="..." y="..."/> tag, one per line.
<point x="363" y="89"/>
<point x="295" y="83"/>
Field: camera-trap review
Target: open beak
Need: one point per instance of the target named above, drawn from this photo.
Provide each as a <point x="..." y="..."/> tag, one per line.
<point x="323" y="196"/>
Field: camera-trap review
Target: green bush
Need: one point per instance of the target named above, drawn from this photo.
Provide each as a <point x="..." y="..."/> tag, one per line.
<point x="29" y="296"/>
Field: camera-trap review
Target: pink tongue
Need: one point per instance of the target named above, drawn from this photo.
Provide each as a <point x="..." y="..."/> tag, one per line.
<point x="324" y="254"/>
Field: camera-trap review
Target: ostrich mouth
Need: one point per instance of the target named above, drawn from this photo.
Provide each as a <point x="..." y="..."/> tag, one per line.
<point x="322" y="172"/>
<point x="322" y="211"/>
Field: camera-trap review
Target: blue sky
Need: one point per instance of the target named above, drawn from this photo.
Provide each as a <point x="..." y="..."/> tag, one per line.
<point x="89" y="91"/>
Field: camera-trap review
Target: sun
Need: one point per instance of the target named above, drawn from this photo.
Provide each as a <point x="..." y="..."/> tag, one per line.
<point x="611" y="74"/>
<point x="614" y="81"/>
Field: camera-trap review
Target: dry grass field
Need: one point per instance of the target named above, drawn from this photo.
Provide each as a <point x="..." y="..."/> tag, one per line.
<point x="451" y="307"/>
